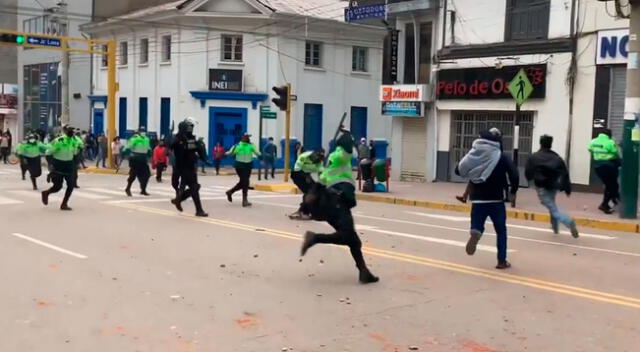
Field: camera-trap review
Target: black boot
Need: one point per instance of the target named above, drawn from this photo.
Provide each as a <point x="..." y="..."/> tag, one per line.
<point x="177" y="203"/>
<point x="45" y="197"/>
<point x="308" y="241"/>
<point x="33" y="182"/>
<point x="366" y="277"/>
<point x="65" y="207"/>
<point x="229" y="194"/>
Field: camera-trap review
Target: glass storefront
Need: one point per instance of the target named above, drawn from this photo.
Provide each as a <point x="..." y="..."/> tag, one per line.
<point x="42" y="102"/>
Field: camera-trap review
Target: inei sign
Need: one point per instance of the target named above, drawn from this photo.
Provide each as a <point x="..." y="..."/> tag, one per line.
<point x="403" y="93"/>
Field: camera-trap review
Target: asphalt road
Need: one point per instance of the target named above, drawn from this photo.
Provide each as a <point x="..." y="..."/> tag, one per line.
<point x="133" y="274"/>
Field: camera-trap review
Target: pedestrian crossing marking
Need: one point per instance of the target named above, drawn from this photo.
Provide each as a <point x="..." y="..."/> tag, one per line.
<point x="7" y="201"/>
<point x="35" y="194"/>
<point x="87" y="195"/>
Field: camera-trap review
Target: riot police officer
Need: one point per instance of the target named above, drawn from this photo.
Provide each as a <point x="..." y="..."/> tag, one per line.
<point x="187" y="151"/>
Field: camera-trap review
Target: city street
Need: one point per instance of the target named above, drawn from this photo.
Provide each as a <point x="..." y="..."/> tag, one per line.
<point x="133" y="274"/>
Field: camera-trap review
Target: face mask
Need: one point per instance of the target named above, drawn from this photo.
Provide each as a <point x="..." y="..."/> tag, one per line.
<point x="32" y="140"/>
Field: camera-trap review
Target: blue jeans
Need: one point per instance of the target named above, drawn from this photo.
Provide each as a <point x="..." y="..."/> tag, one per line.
<point x="498" y="214"/>
<point x="548" y="200"/>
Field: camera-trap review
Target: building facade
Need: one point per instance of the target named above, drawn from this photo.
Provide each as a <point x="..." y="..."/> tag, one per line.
<point x="40" y="71"/>
<point x="217" y="60"/>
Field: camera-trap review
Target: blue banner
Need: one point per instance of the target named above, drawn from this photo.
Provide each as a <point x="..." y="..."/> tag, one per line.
<point x="359" y="13"/>
<point x="402" y="108"/>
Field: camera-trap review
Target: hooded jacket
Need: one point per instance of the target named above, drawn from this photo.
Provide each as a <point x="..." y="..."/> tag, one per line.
<point x="547" y="170"/>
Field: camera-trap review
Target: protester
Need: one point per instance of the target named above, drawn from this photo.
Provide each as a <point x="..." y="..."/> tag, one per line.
<point x="269" y="153"/>
<point x="160" y="159"/>
<point x="218" y="155"/>
<point x="4" y="147"/>
<point x="116" y="146"/>
<point x="486" y="167"/>
<point x="102" y="150"/>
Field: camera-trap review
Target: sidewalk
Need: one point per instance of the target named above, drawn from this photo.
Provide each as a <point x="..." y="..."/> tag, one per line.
<point x="441" y="196"/>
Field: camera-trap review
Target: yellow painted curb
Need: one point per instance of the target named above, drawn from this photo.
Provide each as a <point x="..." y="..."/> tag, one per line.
<point x="277" y="187"/>
<point x="94" y="170"/>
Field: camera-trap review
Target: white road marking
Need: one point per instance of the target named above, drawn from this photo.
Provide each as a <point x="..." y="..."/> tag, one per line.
<point x="38" y="195"/>
<point x="7" y="201"/>
<point x="107" y="191"/>
<point x="87" y="195"/>
<point x="155" y="200"/>
<point x="532" y="228"/>
<point x="595" y="249"/>
<point x="437" y="216"/>
<point x="50" y="246"/>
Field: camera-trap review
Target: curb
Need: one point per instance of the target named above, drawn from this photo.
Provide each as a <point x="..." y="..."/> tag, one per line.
<point x="125" y="172"/>
<point x="511" y="213"/>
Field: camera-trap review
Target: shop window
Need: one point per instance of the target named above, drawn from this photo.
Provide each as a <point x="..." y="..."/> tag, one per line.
<point x="527" y="19"/>
<point x="409" y="55"/>
<point x="424" y="63"/>
<point x="144" y="51"/>
<point x="231" y="48"/>
<point x="313" y="54"/>
<point x="359" y="59"/>
<point x="166" y="48"/>
<point x="124" y="53"/>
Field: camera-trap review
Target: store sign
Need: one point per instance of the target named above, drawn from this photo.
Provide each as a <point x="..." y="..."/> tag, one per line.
<point x="365" y="12"/>
<point x="488" y="82"/>
<point x="402" y="108"/>
<point x="225" y="80"/>
<point x="393" y="70"/>
<point x="404" y="92"/>
<point x="613" y="47"/>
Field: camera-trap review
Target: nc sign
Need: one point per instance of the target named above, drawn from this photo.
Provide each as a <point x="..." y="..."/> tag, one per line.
<point x="613" y="47"/>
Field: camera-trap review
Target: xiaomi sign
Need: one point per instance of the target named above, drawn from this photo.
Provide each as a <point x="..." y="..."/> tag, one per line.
<point x="403" y="93"/>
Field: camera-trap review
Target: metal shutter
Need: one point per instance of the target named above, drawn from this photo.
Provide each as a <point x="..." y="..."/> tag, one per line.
<point x="616" y="101"/>
<point x="414" y="149"/>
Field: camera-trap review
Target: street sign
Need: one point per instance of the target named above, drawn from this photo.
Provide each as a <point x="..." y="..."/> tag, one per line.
<point x="266" y="113"/>
<point x="43" y="41"/>
<point x="520" y="88"/>
<point x="359" y="13"/>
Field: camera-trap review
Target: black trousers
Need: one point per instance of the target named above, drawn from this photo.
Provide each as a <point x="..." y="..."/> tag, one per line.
<point x="608" y="174"/>
<point x="189" y="188"/>
<point x="63" y="172"/>
<point x="23" y="166"/>
<point x="159" y="170"/>
<point x="304" y="182"/>
<point x="216" y="163"/>
<point x="330" y="205"/>
<point x="34" y="166"/>
<point x="139" y="169"/>
<point x="244" y="174"/>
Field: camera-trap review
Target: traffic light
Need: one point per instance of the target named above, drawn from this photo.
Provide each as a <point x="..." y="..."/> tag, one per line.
<point x="283" y="99"/>
<point x="12" y="38"/>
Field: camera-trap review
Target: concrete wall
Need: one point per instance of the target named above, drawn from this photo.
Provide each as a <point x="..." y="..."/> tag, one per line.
<point x="195" y="52"/>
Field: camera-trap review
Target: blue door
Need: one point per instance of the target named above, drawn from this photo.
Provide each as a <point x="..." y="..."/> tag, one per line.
<point x="227" y="126"/>
<point x="358" y="122"/>
<point x="122" y="118"/>
<point x="312" y="127"/>
<point x="98" y="121"/>
<point x="165" y="116"/>
<point x="143" y="119"/>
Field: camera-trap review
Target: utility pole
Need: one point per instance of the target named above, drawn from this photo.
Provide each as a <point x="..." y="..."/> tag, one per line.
<point x="630" y="155"/>
<point x="63" y="19"/>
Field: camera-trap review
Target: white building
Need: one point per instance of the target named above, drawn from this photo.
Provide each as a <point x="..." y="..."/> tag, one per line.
<point x="488" y="43"/>
<point x="40" y="70"/>
<point x="217" y="60"/>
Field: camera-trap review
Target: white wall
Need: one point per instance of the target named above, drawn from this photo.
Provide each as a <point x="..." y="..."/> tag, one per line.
<point x="483" y="21"/>
<point x="195" y="52"/>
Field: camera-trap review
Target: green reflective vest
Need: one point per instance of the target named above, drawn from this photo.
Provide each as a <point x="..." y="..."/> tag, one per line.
<point x="305" y="164"/>
<point x="603" y="148"/>
<point x="244" y="152"/>
<point x="64" y="148"/>
<point x="31" y="150"/>
<point x="139" y="144"/>
<point x="339" y="169"/>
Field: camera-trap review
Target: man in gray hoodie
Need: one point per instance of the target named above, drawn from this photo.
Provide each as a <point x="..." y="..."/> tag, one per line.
<point x="486" y="166"/>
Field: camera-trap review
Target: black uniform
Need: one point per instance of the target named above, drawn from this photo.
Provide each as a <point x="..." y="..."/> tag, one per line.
<point x="187" y="151"/>
<point x="333" y="205"/>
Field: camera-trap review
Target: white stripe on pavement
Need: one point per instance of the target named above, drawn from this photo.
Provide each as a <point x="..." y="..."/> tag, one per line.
<point x="38" y="195"/>
<point x="532" y="228"/>
<point x="7" y="201"/>
<point x="50" y="246"/>
<point x="155" y="200"/>
<point x="107" y="191"/>
<point x="595" y="249"/>
<point x="87" y="195"/>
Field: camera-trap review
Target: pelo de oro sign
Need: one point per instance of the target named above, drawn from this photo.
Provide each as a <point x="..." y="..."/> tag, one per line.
<point x="488" y="82"/>
<point x="405" y="92"/>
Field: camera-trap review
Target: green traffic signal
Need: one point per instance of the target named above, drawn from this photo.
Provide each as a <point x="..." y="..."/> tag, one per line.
<point x="20" y="39"/>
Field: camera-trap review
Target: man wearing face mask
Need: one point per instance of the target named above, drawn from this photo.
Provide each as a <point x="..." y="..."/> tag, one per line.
<point x="30" y="152"/>
<point x="187" y="152"/>
<point x="140" y="148"/>
<point x="62" y="151"/>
